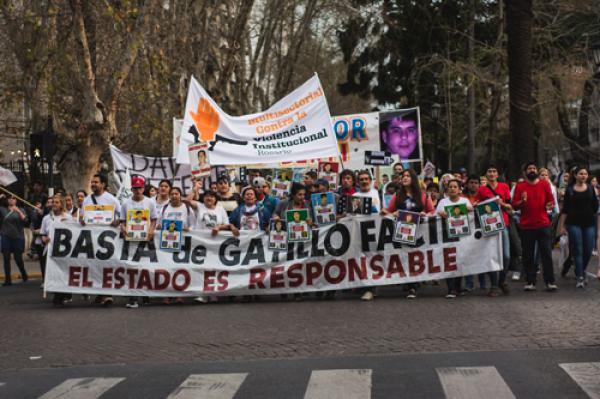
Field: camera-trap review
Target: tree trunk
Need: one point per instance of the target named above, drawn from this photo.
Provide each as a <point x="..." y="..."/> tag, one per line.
<point x="80" y="164"/>
<point x="519" y="23"/>
<point x="471" y="93"/>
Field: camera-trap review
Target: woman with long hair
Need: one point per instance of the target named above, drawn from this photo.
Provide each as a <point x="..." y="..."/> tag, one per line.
<point x="409" y="197"/>
<point x="578" y="219"/>
<point x="12" y="232"/>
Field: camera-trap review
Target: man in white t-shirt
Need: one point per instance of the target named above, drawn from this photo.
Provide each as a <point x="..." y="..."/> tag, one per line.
<point x="365" y="189"/>
<point x="100" y="196"/>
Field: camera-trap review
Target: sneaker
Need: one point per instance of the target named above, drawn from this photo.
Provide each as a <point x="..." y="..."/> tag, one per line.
<point x="179" y="301"/>
<point x="412" y="294"/>
<point x="580" y="283"/>
<point x="493" y="293"/>
<point x="166" y="301"/>
<point x="107" y="301"/>
<point x="450" y="295"/>
<point x="132" y="305"/>
<point x="7" y="283"/>
<point x="505" y="289"/>
<point x="201" y="299"/>
<point x="367" y="296"/>
<point x="551" y="287"/>
<point x="516" y="276"/>
<point x="529" y="287"/>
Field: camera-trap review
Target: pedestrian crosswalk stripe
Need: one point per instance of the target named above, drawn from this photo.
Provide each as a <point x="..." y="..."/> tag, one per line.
<point x="76" y="388"/>
<point x="209" y="386"/>
<point x="586" y="375"/>
<point x="343" y="384"/>
<point x="473" y="383"/>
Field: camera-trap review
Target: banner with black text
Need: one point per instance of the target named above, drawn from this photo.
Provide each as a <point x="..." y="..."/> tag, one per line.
<point x="358" y="251"/>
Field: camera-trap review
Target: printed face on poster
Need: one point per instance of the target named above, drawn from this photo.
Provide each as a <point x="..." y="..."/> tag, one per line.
<point x="170" y="235"/>
<point x="323" y="208"/>
<point x="138" y="224"/>
<point x="490" y="217"/>
<point x="99" y="214"/>
<point x="199" y="161"/>
<point x="329" y="171"/>
<point x="407" y="225"/>
<point x="298" y="228"/>
<point x="278" y="235"/>
<point x="400" y="134"/>
<point x="458" y="220"/>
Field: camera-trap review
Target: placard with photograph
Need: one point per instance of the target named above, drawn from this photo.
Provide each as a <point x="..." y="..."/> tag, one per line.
<point x="278" y="235"/>
<point x="359" y="205"/>
<point x="323" y="208"/>
<point x="199" y="159"/>
<point x="281" y="189"/>
<point x="137" y="224"/>
<point x="329" y="171"/>
<point x="99" y="214"/>
<point x="298" y="228"/>
<point x="490" y="217"/>
<point x="407" y="226"/>
<point x="171" y="234"/>
<point x="457" y="223"/>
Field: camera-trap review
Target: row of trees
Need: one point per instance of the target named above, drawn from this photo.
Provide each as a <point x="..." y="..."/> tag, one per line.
<point x="117" y="70"/>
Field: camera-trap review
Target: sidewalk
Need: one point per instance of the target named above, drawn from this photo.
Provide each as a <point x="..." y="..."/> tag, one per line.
<point x="31" y="266"/>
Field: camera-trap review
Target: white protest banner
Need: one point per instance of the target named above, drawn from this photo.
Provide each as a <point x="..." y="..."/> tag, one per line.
<point x="358" y="251"/>
<point x="153" y="169"/>
<point x="355" y="135"/>
<point x="177" y="126"/>
<point x="297" y="127"/>
<point x="7" y="177"/>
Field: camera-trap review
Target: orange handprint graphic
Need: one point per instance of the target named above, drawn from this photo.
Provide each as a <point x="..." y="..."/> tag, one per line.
<point x="206" y="119"/>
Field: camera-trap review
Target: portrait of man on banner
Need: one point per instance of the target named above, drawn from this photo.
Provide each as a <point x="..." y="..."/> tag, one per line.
<point x="400" y="134"/>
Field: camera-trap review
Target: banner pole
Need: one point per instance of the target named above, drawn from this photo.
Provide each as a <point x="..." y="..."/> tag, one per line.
<point x="17" y="197"/>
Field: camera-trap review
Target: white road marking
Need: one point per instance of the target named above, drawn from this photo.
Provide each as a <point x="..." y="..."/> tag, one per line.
<point x="209" y="386"/>
<point x="81" y="388"/>
<point x="586" y="375"/>
<point x="473" y="383"/>
<point x="342" y="384"/>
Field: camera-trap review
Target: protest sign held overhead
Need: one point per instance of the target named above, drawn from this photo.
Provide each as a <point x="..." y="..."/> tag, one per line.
<point x="400" y="134"/>
<point x="297" y="127"/>
<point x="355" y="135"/>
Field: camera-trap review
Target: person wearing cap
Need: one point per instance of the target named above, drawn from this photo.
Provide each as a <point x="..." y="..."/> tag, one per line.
<point x="264" y="198"/>
<point x="138" y="201"/>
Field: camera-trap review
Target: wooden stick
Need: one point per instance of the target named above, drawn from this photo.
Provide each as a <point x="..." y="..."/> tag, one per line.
<point x="19" y="198"/>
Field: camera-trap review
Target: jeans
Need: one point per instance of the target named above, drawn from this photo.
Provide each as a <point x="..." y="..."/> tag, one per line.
<point x="543" y="238"/>
<point x="581" y="244"/>
<point x="469" y="281"/>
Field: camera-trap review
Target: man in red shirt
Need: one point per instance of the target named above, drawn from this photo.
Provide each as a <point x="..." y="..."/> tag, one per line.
<point x="493" y="188"/>
<point x="533" y="197"/>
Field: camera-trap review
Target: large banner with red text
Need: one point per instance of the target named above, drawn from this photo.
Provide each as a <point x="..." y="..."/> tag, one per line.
<point x="355" y="252"/>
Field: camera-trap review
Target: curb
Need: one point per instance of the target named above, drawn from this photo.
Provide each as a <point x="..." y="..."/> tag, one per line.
<point x="17" y="276"/>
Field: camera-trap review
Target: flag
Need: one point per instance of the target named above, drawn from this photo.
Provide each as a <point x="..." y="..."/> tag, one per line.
<point x="6" y="177"/>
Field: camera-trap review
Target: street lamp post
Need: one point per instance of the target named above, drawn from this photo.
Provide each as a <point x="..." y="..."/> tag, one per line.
<point x="435" y="115"/>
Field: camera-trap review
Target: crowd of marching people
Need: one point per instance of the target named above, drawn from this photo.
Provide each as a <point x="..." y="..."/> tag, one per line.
<point x="540" y="212"/>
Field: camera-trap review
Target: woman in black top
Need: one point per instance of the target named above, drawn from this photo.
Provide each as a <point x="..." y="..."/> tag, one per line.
<point x="578" y="219"/>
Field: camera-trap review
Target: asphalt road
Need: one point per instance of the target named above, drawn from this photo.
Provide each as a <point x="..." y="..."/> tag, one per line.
<point x="521" y="374"/>
<point x="512" y="346"/>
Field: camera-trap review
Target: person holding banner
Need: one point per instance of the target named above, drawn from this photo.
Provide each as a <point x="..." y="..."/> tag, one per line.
<point x="454" y="198"/>
<point x="12" y="233"/>
<point x="365" y="189"/>
<point x="249" y="216"/>
<point x="296" y="201"/>
<point x="58" y="213"/>
<point x="212" y="216"/>
<point x="138" y="202"/>
<point x="495" y="189"/>
<point x="409" y="197"/>
<point x="177" y="210"/>
<point x="264" y="199"/>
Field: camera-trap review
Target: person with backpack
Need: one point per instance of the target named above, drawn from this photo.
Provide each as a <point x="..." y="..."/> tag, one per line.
<point x="578" y="221"/>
